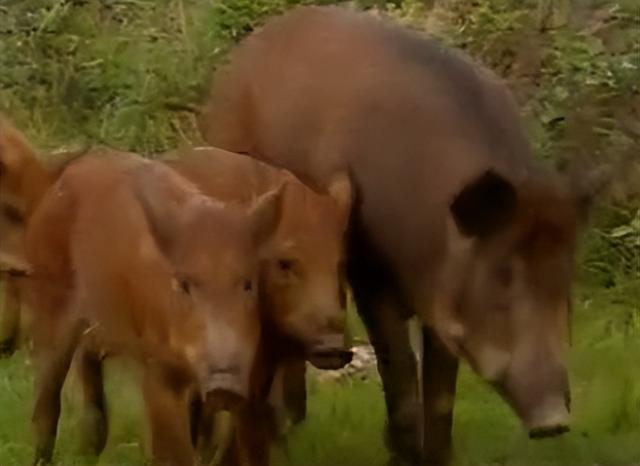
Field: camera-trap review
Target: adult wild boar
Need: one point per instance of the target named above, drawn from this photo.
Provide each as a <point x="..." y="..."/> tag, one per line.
<point x="452" y="218"/>
<point x="129" y="256"/>
<point x="302" y="297"/>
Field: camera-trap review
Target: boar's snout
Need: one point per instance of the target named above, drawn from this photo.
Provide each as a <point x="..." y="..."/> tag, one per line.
<point x="330" y="352"/>
<point x="541" y="397"/>
<point x="550" y="419"/>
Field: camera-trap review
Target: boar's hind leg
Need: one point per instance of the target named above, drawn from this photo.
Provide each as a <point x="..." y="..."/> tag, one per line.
<point x="10" y="318"/>
<point x="95" y="422"/>
<point x="397" y="367"/>
<point x="53" y="361"/>
<point x="439" y="374"/>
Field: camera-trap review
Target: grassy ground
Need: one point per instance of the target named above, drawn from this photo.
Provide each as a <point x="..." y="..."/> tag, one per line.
<point x="344" y="426"/>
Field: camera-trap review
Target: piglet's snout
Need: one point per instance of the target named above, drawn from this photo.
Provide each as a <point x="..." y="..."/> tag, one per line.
<point x="330" y="352"/>
<point x="222" y="370"/>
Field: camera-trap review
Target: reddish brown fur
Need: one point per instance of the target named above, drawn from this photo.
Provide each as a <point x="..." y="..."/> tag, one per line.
<point x="303" y="265"/>
<point x="131" y="255"/>
<point x="23" y="181"/>
<point x="303" y="302"/>
<point x="9" y="315"/>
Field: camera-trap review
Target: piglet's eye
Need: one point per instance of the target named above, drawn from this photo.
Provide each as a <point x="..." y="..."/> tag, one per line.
<point x="185" y="286"/>
<point x="285" y="265"/>
<point x="247" y="285"/>
<point x="12" y="214"/>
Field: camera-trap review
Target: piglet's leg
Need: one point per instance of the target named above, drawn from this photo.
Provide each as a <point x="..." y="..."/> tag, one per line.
<point x="95" y="419"/>
<point x="168" y="415"/>
<point x="295" y="389"/>
<point x="255" y="432"/>
<point x="53" y="357"/>
<point x="9" y="317"/>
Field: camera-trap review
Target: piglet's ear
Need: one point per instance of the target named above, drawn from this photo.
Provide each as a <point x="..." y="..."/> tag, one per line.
<point x="341" y="189"/>
<point x="164" y="197"/>
<point x="264" y="215"/>
<point x="485" y="206"/>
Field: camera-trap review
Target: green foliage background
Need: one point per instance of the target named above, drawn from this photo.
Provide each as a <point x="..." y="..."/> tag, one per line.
<point x="123" y="72"/>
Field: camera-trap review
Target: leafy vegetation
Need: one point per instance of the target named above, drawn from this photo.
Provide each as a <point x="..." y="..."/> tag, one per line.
<point x="127" y="73"/>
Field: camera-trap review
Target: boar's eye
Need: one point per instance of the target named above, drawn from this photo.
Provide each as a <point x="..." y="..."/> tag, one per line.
<point x="247" y="285"/>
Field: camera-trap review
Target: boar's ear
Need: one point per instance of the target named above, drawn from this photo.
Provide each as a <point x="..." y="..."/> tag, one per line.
<point x="163" y="195"/>
<point x="484" y="206"/>
<point x="264" y="215"/>
<point x="341" y="189"/>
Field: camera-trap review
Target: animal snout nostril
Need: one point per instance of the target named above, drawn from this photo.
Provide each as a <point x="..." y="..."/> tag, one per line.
<point x="224" y="387"/>
<point x="328" y="343"/>
<point x="222" y="378"/>
<point x="215" y="369"/>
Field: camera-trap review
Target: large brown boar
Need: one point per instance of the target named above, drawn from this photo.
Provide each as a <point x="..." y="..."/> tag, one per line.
<point x="452" y="218"/>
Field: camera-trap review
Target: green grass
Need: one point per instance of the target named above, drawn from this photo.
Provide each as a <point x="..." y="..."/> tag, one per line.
<point x="345" y="421"/>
